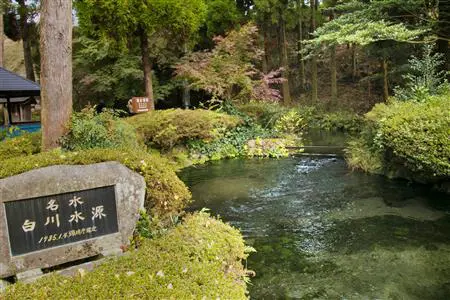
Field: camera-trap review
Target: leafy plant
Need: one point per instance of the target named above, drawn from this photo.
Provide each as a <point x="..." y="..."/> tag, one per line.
<point x="266" y="148"/>
<point x="232" y="144"/>
<point x="266" y="114"/>
<point x="22" y="145"/>
<point x="88" y="130"/>
<point x="406" y="135"/>
<point x="168" y="128"/>
<point x="228" y="72"/>
<point x="290" y="123"/>
<point x="360" y="156"/>
<point x="425" y="79"/>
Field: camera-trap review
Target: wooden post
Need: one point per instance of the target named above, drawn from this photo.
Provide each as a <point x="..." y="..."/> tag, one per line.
<point x="385" y="80"/>
<point x="8" y="108"/>
<point x="1" y="35"/>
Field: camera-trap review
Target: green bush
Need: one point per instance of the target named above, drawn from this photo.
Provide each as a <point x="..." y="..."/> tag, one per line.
<point x="200" y="259"/>
<point x="166" y="193"/>
<point x="266" y="114"/>
<point x="22" y="145"/>
<point x="424" y="78"/>
<point x="361" y="156"/>
<point x="345" y="121"/>
<point x="165" y="129"/>
<point x="267" y="148"/>
<point x="232" y="144"/>
<point x="88" y="130"/>
<point x="416" y="133"/>
<point x="291" y="123"/>
<point x="410" y="135"/>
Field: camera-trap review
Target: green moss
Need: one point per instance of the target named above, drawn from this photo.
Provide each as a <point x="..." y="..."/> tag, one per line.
<point x="166" y="193"/>
<point x="166" y="128"/>
<point x="25" y="144"/>
<point x="202" y="258"/>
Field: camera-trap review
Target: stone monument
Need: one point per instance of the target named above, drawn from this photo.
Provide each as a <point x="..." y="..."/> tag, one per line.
<point x="58" y="214"/>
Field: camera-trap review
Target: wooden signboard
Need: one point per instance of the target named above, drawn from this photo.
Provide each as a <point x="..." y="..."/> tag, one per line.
<point x="138" y="105"/>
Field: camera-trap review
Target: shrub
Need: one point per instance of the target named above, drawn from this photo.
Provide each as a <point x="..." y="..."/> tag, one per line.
<point x="344" y="121"/>
<point x="359" y="155"/>
<point x="290" y="123"/>
<point x="166" y="128"/>
<point x="410" y="135"/>
<point x="88" y="130"/>
<point x="232" y="144"/>
<point x="265" y="114"/>
<point x="228" y="72"/>
<point x="424" y="78"/>
<point x="417" y="133"/>
<point x="22" y="145"/>
<point x="267" y="148"/>
<point x="166" y="193"/>
<point x="202" y="258"/>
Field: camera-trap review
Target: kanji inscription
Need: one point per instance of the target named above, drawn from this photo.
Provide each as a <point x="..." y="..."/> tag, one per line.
<point x="49" y="221"/>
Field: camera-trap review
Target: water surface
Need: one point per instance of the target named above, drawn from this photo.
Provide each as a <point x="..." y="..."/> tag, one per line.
<point x="323" y="232"/>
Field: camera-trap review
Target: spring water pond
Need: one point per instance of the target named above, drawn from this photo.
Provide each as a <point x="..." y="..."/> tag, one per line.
<point x="324" y="232"/>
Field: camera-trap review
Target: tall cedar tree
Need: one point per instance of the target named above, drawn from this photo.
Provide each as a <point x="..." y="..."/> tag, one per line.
<point x="26" y="42"/>
<point x="56" y="70"/>
<point x="314" y="83"/>
<point x="123" y="20"/>
<point x="274" y="12"/>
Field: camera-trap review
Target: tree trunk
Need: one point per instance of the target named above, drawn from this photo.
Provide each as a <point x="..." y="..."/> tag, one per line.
<point x="333" y="76"/>
<point x="444" y="32"/>
<point x="314" y="88"/>
<point x="312" y="4"/>
<point x="385" y="80"/>
<point x="25" y="34"/>
<point x="1" y="35"/>
<point x="186" y="88"/>
<point x="2" y="109"/>
<point x="265" y="61"/>
<point x="314" y="58"/>
<point x="285" y="65"/>
<point x="147" y="68"/>
<point x="56" y="70"/>
<point x="354" y="63"/>
<point x="300" y="47"/>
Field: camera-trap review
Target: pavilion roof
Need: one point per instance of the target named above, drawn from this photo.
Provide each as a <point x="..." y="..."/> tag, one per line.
<point x="13" y="85"/>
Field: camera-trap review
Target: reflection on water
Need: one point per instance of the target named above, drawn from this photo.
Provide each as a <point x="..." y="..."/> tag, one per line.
<point x="323" y="232"/>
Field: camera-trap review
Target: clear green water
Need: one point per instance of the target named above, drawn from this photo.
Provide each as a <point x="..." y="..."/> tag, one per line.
<point x="323" y="232"/>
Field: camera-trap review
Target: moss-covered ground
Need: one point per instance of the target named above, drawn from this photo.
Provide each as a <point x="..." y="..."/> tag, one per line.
<point x="199" y="259"/>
